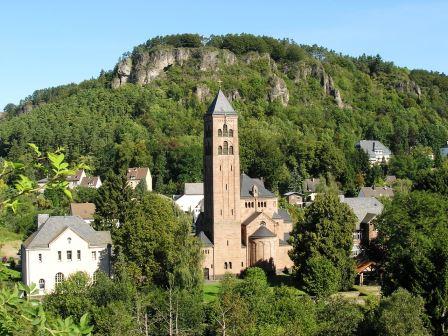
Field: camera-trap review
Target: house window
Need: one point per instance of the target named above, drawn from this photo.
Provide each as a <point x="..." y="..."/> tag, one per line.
<point x="42" y="284"/>
<point x="242" y="264"/>
<point x="219" y="133"/>
<point x="245" y="204"/>
<point x="220" y="150"/>
<point x="262" y="223"/>
<point x="252" y="204"/>
<point x="231" y="211"/>
<point x="264" y="204"/>
<point x="231" y="168"/>
<point x="226" y="186"/>
<point x="225" y="265"/>
<point x="69" y="240"/>
<point x="231" y="150"/>
<point x="59" y="277"/>
<point x="69" y="255"/>
<point x="40" y="257"/>
<point x="230" y="132"/>
<point x="78" y="254"/>
<point x="226" y="148"/>
<point x="59" y="255"/>
<point x="230" y="265"/>
<point x="227" y="243"/>
<point x="225" y="132"/>
<point x="94" y="255"/>
<point x="258" y="204"/>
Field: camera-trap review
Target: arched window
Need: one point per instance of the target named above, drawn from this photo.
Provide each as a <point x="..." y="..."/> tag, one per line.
<point x="262" y="223"/>
<point x="230" y="132"/>
<point x="42" y="284"/>
<point x="252" y="204"/>
<point x="225" y="265"/>
<point x="219" y="133"/>
<point x="59" y="277"/>
<point x="264" y="204"/>
<point x="69" y="240"/>
<point x="230" y="265"/>
<point x="226" y="133"/>
<point x="226" y="148"/>
<point x="231" y="150"/>
<point x="220" y="150"/>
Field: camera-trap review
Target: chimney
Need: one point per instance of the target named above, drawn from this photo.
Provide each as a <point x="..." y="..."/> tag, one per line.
<point x="42" y="218"/>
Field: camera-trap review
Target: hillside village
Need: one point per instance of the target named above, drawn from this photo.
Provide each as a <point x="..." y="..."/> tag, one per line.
<point x="237" y="185"/>
<point x="266" y="228"/>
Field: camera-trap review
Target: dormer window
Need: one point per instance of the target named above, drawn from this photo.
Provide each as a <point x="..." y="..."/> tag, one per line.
<point x="254" y="191"/>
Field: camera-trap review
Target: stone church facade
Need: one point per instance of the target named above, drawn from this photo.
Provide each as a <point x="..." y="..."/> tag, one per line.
<point x="242" y="225"/>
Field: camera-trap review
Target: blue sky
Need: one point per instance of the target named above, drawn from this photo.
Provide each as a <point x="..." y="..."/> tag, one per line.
<point x="48" y="43"/>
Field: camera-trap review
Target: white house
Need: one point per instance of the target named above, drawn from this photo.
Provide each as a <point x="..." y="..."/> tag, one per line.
<point x="137" y="175"/>
<point x="91" y="182"/>
<point x="376" y="151"/>
<point x="444" y="150"/>
<point x="193" y="198"/>
<point x="63" y="245"/>
<point x="75" y="180"/>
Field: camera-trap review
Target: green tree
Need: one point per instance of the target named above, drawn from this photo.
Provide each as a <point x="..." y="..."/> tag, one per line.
<point x="326" y="231"/>
<point x="413" y="233"/>
<point x="401" y="314"/>
<point x="320" y="277"/>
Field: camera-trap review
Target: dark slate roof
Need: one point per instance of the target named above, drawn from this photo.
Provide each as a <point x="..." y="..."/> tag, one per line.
<point x="362" y="206"/>
<point x="376" y="192"/>
<point x="282" y="214"/>
<point x="204" y="239"/>
<point x="368" y="218"/>
<point x="262" y="232"/>
<point x="246" y="184"/>
<point x="310" y="185"/>
<point x="55" y="225"/>
<point x="369" y="146"/>
<point x="220" y="105"/>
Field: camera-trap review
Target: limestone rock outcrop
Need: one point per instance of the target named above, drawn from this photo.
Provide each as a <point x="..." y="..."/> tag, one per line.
<point x="233" y="95"/>
<point x="326" y="81"/>
<point x="202" y="92"/>
<point x="408" y="86"/>
<point x="278" y="90"/>
<point x="144" y="66"/>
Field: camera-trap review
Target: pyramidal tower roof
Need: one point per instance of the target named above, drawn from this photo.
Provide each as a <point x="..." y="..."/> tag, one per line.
<point x="221" y="105"/>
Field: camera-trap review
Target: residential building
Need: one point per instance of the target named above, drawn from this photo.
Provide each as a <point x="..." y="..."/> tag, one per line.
<point x="192" y="200"/>
<point x="91" y="182"/>
<point x="83" y="210"/>
<point x="80" y="179"/>
<point x="366" y="210"/>
<point x="61" y="246"/>
<point x="375" y="191"/>
<point x="138" y="175"/>
<point x="241" y="225"/>
<point x="444" y="150"/>
<point x="75" y="180"/>
<point x="294" y="198"/>
<point x="376" y="151"/>
<point x="309" y="190"/>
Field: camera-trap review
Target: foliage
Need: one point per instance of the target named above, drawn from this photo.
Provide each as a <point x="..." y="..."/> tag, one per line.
<point x="413" y="231"/>
<point x="24" y="316"/>
<point x="401" y="314"/>
<point x="322" y="238"/>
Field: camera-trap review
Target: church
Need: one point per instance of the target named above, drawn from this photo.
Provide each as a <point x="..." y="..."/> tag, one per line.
<point x="242" y="224"/>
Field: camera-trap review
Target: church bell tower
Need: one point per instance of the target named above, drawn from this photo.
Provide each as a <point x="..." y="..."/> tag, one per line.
<point x="222" y="182"/>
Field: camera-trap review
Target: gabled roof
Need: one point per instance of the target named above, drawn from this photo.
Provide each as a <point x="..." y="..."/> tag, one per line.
<point x="137" y="173"/>
<point x="194" y="188"/>
<point x="220" y="105"/>
<point x="376" y="192"/>
<point x="89" y="181"/>
<point x="362" y="206"/>
<point x="204" y="239"/>
<point x="75" y="177"/>
<point x="369" y="146"/>
<point x="83" y="210"/>
<point x="282" y="214"/>
<point x="55" y="225"/>
<point x="310" y="185"/>
<point x="262" y="232"/>
<point x="246" y="184"/>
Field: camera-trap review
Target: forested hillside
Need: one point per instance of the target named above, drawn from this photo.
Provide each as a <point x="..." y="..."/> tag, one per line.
<point x="302" y="109"/>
